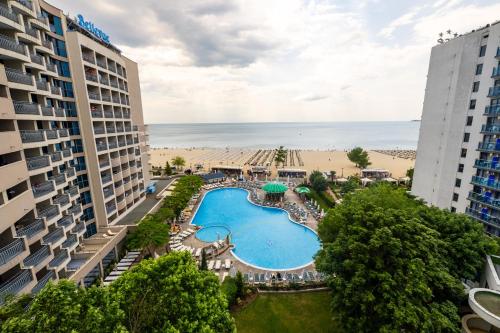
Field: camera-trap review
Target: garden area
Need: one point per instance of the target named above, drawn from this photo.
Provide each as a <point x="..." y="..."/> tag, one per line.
<point x="295" y="312"/>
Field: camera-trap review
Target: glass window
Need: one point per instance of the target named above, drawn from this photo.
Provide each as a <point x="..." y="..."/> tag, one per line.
<point x="469" y="120"/>
<point x="67" y="89"/>
<point x="482" y="51"/>
<point x="86" y="198"/>
<point x="91" y="228"/>
<point x="80" y="164"/>
<point x="77" y="146"/>
<point x="463" y="152"/>
<point x="458" y="182"/>
<point x="63" y="67"/>
<point x="60" y="48"/>
<point x="460" y="167"/>
<point x="479" y="69"/>
<point x="83" y="181"/>
<point x="455" y="197"/>
<point x="472" y="104"/>
<point x="475" y="86"/>
<point x="466" y="137"/>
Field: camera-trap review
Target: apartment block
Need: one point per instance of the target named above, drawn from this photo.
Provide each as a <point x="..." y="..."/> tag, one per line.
<point x="73" y="147"/>
<point x="459" y="144"/>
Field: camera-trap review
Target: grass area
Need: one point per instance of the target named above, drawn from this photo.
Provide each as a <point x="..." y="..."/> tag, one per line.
<point x="298" y="312"/>
<point x="323" y="199"/>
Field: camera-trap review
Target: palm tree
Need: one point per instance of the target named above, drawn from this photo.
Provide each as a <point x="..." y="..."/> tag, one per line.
<point x="178" y="162"/>
<point x="280" y="156"/>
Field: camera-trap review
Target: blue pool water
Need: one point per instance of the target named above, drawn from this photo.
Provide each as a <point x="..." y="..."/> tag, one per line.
<point x="212" y="233"/>
<point x="263" y="237"/>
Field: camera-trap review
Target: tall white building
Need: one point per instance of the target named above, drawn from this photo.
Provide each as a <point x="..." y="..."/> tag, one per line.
<point x="459" y="145"/>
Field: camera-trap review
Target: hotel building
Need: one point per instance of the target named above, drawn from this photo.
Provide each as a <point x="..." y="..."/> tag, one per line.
<point x="73" y="150"/>
<point x="457" y="164"/>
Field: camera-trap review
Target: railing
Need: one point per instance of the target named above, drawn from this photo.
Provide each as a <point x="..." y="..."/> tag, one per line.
<point x="32" y="136"/>
<point x="103" y="164"/>
<point x="18" y="76"/>
<point x="42" y="85"/>
<point x="489" y="145"/>
<point x="36" y="258"/>
<point x="75" y="209"/>
<point x="59" y="179"/>
<point x="66" y="221"/>
<point x="54" y="236"/>
<point x="492" y="110"/>
<point x="31" y="229"/>
<point x="15" y="284"/>
<point x="56" y="156"/>
<point x="10" y="44"/>
<point x="49" y="212"/>
<point x="490" y="128"/>
<point x="6" y="12"/>
<point x="43" y="188"/>
<point x="79" y="227"/>
<point x="99" y="130"/>
<point x="61" y="200"/>
<point x="51" y="134"/>
<point x="59" y="259"/>
<point x="73" y="191"/>
<point x="88" y="58"/>
<point x="496" y="72"/>
<point x="70" y="172"/>
<point x="59" y="112"/>
<point x="108" y="114"/>
<point x="118" y="128"/>
<point x="91" y="77"/>
<point x="55" y="90"/>
<point x="37" y="162"/>
<point x="94" y="96"/>
<point x="482" y="216"/>
<point x="107" y="192"/>
<point x="118" y="114"/>
<point x="101" y="63"/>
<point x="47" y="44"/>
<point x="30" y="31"/>
<point x="63" y="132"/>
<point x="110" y="208"/>
<point x="101" y="146"/>
<point x="66" y="152"/>
<point x="494" y="91"/>
<point x="113" y="84"/>
<point x="106" y="179"/>
<point x="21" y="107"/>
<point x="43" y="20"/>
<point x="37" y="59"/>
<point x="26" y="3"/>
<point x="12" y="250"/>
<point x="70" y="241"/>
<point x="122" y="143"/>
<point x="96" y="113"/>
<point x="47" y="111"/>
<point x="484" y="199"/>
<point x="126" y="115"/>
<point x="113" y="145"/>
<point x="481" y="181"/>
<point x="487" y="164"/>
<point x="106" y="98"/>
<point x="51" y="67"/>
<point x="42" y="282"/>
<point x="112" y="68"/>
<point x="130" y="142"/>
<point x="103" y="80"/>
<point x="110" y="129"/>
<point x="116" y="100"/>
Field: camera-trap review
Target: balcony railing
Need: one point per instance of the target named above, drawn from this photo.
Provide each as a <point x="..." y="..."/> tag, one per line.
<point x="63" y="132"/>
<point x="101" y="63"/>
<point x="59" y="113"/>
<point x="43" y="282"/>
<point x="107" y="192"/>
<point x="49" y="212"/>
<point x="22" y="107"/>
<point x="126" y="114"/>
<point x="490" y="128"/>
<point x="12" y="250"/>
<point x="487" y="164"/>
<point x="26" y="3"/>
<point x="110" y="208"/>
<point x="118" y="114"/>
<point x="113" y="145"/>
<point x="10" y="44"/>
<point x="70" y="241"/>
<point x="116" y="100"/>
<point x="36" y="58"/>
<point x="91" y="77"/>
<point x="108" y="114"/>
<point x="36" y="258"/>
<point x="114" y="84"/>
<point x="66" y="152"/>
<point x="15" y="284"/>
<point x="47" y="44"/>
<point x="489" y="146"/>
<point x="66" y="221"/>
<point x="75" y="209"/>
<point x="59" y="259"/>
<point x="481" y="181"/>
<point x="106" y="178"/>
<point x="80" y="227"/>
<point x="42" y="85"/>
<point x="55" y="90"/>
<point x="37" y="162"/>
<point x="484" y="199"/>
<point x="101" y="146"/>
<point x="96" y="113"/>
<point x="494" y="92"/>
<point x="61" y="200"/>
<point x="54" y="236"/>
<point x="30" y="31"/>
<point x="32" y="136"/>
<point x="59" y="179"/>
<point x="110" y="129"/>
<point x="106" y="98"/>
<point x="112" y="68"/>
<point x="104" y="81"/>
<point x="99" y="130"/>
<point x="51" y="67"/>
<point x="73" y="191"/>
<point x="70" y="172"/>
<point x="43" y="188"/>
<point x="88" y="58"/>
<point x="483" y="216"/>
<point x="496" y="72"/>
<point x="94" y="96"/>
<point x="31" y="229"/>
<point x="104" y="164"/>
<point x="56" y="156"/>
<point x="18" y="76"/>
<point x="7" y="13"/>
<point x="51" y="134"/>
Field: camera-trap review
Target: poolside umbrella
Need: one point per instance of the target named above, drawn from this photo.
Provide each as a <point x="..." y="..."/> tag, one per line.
<point x="302" y="190"/>
<point x="274" y="188"/>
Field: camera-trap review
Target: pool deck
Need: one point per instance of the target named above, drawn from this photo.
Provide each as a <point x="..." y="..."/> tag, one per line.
<point x="192" y="241"/>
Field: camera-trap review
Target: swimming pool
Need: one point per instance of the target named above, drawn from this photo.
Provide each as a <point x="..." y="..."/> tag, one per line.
<point x="264" y="237"/>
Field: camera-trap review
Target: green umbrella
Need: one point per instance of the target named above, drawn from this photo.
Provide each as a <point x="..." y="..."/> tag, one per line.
<point x="302" y="190"/>
<point x="275" y="187"/>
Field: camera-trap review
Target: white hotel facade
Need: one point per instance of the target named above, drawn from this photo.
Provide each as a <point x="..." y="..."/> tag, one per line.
<point x="457" y="165"/>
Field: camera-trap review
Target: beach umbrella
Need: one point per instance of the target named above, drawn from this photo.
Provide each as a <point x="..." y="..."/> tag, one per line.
<point x="275" y="187"/>
<point x="302" y="190"/>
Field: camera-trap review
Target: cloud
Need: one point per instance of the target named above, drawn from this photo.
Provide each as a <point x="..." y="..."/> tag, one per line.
<point x="312" y="97"/>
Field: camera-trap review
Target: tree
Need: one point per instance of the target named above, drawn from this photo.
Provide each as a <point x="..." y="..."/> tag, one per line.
<point x="150" y="234"/>
<point x="359" y="157"/>
<point x="409" y="174"/>
<point x="392" y="266"/>
<point x="240" y="286"/>
<point x="349" y="186"/>
<point x="318" y="181"/>
<point x="170" y="294"/>
<point x="280" y="156"/>
<point x="64" y="307"/>
<point x="178" y="162"/>
<point x="203" y="263"/>
<point x="333" y="174"/>
<point x="168" y="169"/>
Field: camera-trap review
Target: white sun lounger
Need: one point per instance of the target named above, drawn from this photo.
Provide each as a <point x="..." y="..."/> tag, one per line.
<point x="191" y="230"/>
<point x="124" y="264"/>
<point x="114" y="273"/>
<point x="121" y="268"/>
<point x="227" y="264"/>
<point x="127" y="260"/>
<point x="198" y="252"/>
<point x="216" y="245"/>
<point x="134" y="252"/>
<point x="211" y="265"/>
<point x="217" y="265"/>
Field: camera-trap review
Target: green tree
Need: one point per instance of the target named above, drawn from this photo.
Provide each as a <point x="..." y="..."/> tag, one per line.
<point x="280" y="156"/>
<point x="170" y="294"/>
<point x="391" y="266"/>
<point x="240" y="286"/>
<point x="149" y="235"/>
<point x="203" y="263"/>
<point x="178" y="162"/>
<point x="333" y="174"/>
<point x="64" y="307"/>
<point x="230" y="290"/>
<point x="409" y="174"/>
<point x="318" y="181"/>
<point x="349" y="186"/>
<point x="359" y="157"/>
<point x="168" y="169"/>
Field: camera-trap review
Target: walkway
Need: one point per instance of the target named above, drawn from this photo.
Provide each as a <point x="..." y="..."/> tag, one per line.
<point x="144" y="207"/>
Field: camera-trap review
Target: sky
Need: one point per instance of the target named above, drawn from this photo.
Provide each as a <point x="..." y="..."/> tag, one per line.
<point x="281" y="60"/>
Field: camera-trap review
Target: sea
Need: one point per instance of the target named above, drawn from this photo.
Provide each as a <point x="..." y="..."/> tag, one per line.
<point x="320" y="136"/>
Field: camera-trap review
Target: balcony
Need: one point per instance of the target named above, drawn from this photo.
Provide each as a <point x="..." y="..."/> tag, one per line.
<point x="110" y="208"/>
<point x="51" y="134"/>
<point x="36" y="59"/>
<point x="108" y="114"/>
<point x="116" y="99"/>
<point x="483" y="216"/>
<point x="113" y="145"/>
<point x="43" y="282"/>
<point x="481" y="198"/>
<point x="47" y="111"/>
<point x="487" y="164"/>
<point x="70" y="243"/>
<point x="91" y="77"/>
<point x="51" y="67"/>
<point x="63" y="133"/>
<point x="99" y="130"/>
<point x="42" y="85"/>
<point x="56" y="156"/>
<point x="104" y="164"/>
<point x="26" y="3"/>
<point x="15" y="285"/>
<point x="106" y="179"/>
<point x="66" y="153"/>
<point x="55" y="90"/>
<point x="101" y="146"/>
<point x="32" y="229"/>
<point x="94" y="96"/>
<point x="8" y="13"/>
<point x="106" y="98"/>
<point x="59" y="179"/>
<point x="42" y="189"/>
<point x="53" y="237"/>
<point x="21" y="107"/>
<point x="10" y="44"/>
<point x="48" y="212"/>
<point x="30" y="31"/>
<point x="35" y="259"/>
<point x="70" y="172"/>
<point x="47" y="44"/>
<point x="114" y="84"/>
<point x="104" y="81"/>
<point x="66" y="222"/>
<point x="61" y="200"/>
<point x="79" y="229"/>
<point x="73" y="191"/>
<point x="496" y="73"/>
<point x="96" y="113"/>
<point x="18" y="76"/>
<point x="59" y="112"/>
<point x="107" y="192"/>
<point x="485" y="182"/>
<point x="12" y="250"/>
<point x="489" y="146"/>
<point x="75" y="209"/>
<point x="37" y="162"/>
<point x="88" y="58"/>
<point x="494" y="92"/>
<point x="59" y="260"/>
<point x="110" y="129"/>
<point x="490" y="129"/>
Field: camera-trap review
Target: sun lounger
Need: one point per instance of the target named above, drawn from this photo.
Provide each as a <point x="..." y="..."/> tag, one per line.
<point x="198" y="252"/>
<point x="136" y="253"/>
<point x="122" y="268"/>
<point x="227" y="263"/>
<point x="217" y="265"/>
<point x="190" y="231"/>
<point x="211" y="264"/>
<point x="127" y="260"/>
<point x="116" y="273"/>
<point x="124" y="264"/>
<point x="216" y="245"/>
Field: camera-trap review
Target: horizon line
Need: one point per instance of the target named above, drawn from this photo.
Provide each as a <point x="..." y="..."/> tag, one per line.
<point x="285" y="122"/>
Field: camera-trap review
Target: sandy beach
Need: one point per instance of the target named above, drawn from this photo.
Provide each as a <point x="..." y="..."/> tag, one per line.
<point x="308" y="160"/>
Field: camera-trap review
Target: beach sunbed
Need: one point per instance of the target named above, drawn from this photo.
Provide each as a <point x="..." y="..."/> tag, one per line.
<point x="227" y="263"/>
<point x="217" y="265"/>
<point x="198" y="252"/>
<point x="211" y="264"/>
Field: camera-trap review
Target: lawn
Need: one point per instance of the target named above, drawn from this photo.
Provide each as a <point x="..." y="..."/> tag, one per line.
<point x="297" y="312"/>
<point x="323" y="199"/>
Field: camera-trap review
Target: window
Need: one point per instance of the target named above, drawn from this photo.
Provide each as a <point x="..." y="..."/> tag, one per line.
<point x="60" y="48"/>
<point x="91" y="228"/>
<point x="83" y="181"/>
<point x="458" y="182"/>
<point x="80" y="164"/>
<point x="67" y="89"/>
<point x="472" y="104"/>
<point x="469" y="120"/>
<point x="63" y="67"/>
<point x="466" y="137"/>
<point x="455" y="197"/>
<point x="460" y="167"/>
<point x="482" y="51"/>
<point x="463" y="153"/>
<point x="479" y="69"/>
<point x="453" y="209"/>
<point x="85" y="198"/>
<point x="475" y="86"/>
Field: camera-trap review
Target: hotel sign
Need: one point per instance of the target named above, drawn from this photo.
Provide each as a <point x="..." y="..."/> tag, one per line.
<point x="89" y="26"/>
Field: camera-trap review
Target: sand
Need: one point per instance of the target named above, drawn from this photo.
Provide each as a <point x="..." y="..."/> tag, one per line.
<point x="312" y="160"/>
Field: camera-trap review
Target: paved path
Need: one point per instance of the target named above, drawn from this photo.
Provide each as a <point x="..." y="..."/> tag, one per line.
<point x="138" y="212"/>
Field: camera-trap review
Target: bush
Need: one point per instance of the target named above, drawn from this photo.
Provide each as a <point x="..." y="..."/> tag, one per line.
<point x="230" y="289"/>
